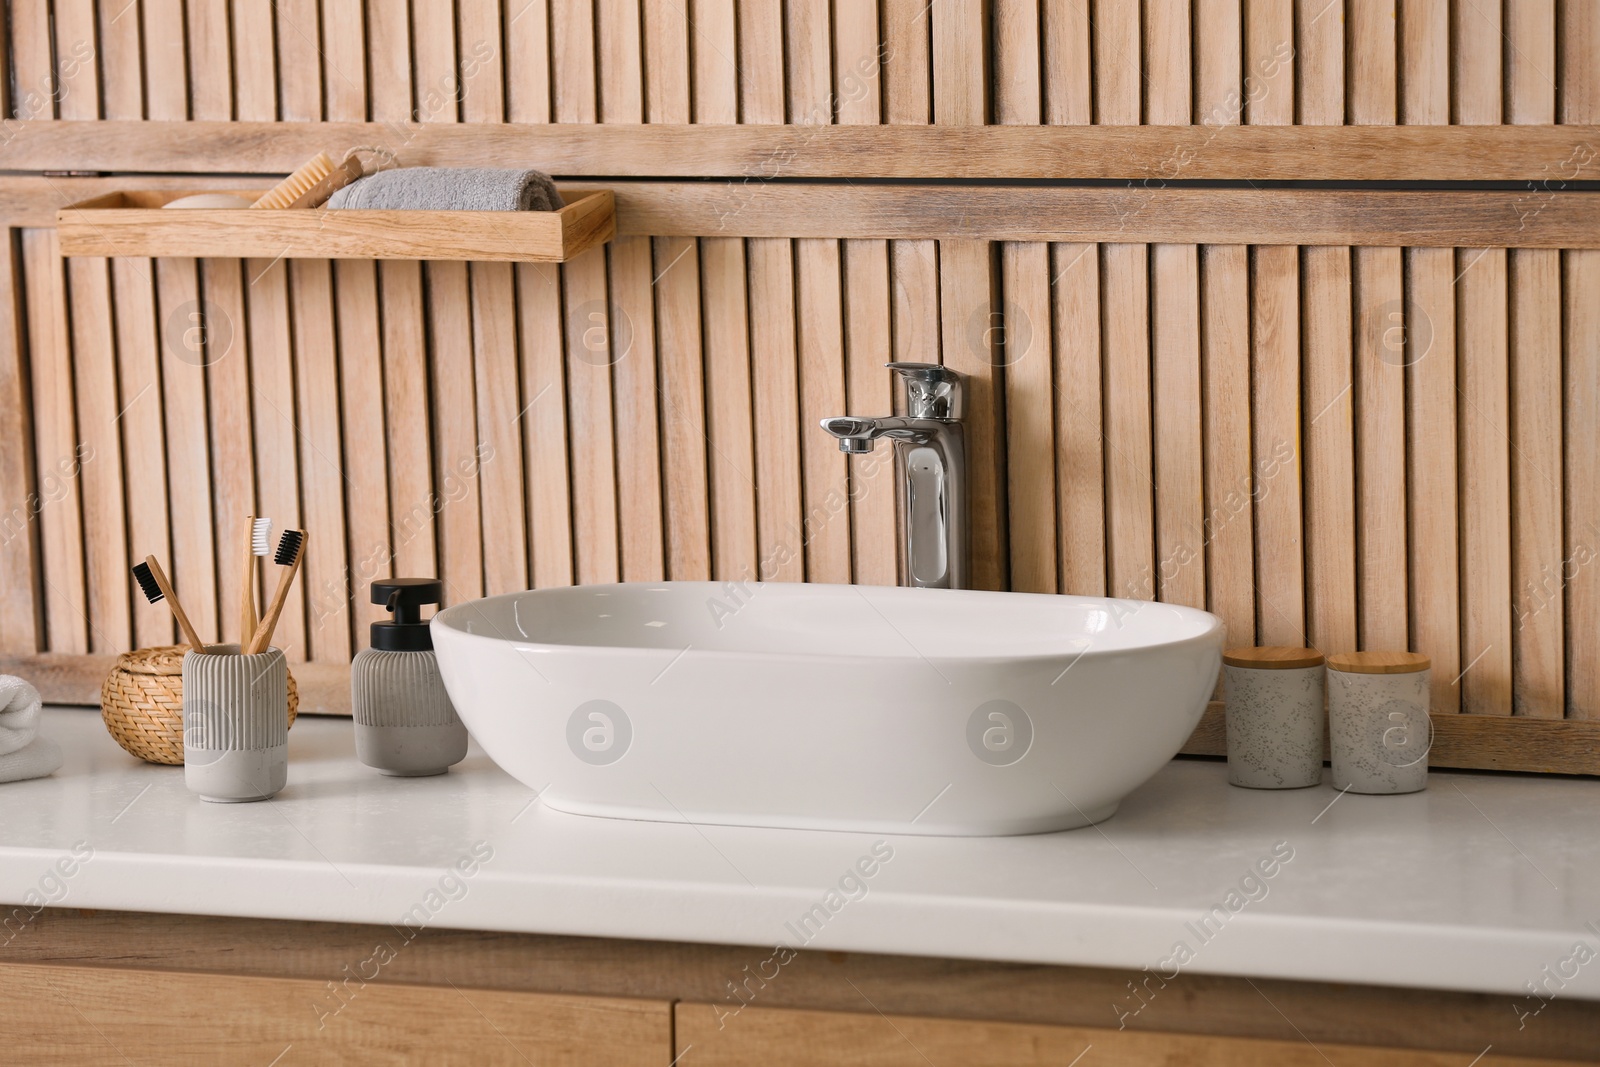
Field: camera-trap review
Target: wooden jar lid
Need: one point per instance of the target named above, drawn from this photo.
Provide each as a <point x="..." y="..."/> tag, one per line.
<point x="1379" y="662"/>
<point x="1272" y="658"/>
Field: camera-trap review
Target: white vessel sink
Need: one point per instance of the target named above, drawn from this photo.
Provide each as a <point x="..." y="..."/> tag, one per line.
<point x="922" y="711"/>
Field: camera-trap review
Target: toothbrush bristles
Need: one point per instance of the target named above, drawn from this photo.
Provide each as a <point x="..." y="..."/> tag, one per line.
<point x="261" y="537"/>
<point x="288" y="547"/>
<point x="147" y="582"/>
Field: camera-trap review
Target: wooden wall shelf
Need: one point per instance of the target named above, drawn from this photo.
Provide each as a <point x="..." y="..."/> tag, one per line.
<point x="134" y="223"/>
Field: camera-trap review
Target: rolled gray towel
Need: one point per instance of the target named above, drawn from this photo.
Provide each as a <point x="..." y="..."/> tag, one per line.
<point x="451" y="189"/>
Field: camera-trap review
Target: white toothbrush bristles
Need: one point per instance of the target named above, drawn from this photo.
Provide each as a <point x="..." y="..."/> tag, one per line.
<point x="261" y="537"/>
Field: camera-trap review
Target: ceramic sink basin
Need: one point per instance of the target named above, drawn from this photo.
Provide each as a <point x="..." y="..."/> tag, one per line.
<point x="893" y="710"/>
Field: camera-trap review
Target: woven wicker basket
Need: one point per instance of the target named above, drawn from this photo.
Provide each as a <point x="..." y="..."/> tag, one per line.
<point x="141" y="702"/>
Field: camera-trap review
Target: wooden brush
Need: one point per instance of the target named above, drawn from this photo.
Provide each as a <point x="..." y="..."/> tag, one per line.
<point x="315" y="181"/>
<point x="153" y="580"/>
<point x="257" y="542"/>
<point x="291" y="550"/>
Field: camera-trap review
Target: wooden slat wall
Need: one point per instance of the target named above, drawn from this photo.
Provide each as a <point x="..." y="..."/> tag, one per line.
<point x="1368" y="447"/>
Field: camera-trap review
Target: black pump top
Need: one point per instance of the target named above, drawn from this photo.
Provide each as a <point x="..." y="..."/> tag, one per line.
<point x="408" y="632"/>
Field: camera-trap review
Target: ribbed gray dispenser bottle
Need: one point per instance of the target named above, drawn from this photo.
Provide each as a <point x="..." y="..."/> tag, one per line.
<point x="405" y="723"/>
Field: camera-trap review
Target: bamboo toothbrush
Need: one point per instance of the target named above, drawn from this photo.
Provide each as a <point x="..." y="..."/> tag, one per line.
<point x="258" y="542"/>
<point x="153" y="580"/>
<point x="291" y="550"/>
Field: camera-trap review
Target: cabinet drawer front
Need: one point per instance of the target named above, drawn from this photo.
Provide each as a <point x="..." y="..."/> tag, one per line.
<point x="712" y="1035"/>
<point x="94" y="1015"/>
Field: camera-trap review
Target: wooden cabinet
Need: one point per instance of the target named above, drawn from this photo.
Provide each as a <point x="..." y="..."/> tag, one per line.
<point x="82" y="987"/>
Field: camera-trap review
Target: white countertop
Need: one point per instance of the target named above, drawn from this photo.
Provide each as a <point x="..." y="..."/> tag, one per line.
<point x="1479" y="883"/>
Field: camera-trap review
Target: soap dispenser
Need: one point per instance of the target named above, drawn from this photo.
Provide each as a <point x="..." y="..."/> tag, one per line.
<point x="405" y="723"/>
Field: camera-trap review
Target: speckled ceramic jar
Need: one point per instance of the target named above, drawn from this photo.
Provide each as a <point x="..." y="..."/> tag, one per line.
<point x="1274" y="714"/>
<point x="235" y="723"/>
<point x="1378" y="726"/>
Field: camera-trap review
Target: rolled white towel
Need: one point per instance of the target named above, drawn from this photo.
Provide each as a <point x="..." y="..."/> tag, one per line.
<point x="19" y="714"/>
<point x="36" y="759"/>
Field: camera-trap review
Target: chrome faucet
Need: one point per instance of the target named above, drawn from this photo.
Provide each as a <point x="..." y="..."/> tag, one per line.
<point x="930" y="469"/>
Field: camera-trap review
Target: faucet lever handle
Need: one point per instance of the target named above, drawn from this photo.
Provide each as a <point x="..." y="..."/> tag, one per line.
<point x="931" y="391"/>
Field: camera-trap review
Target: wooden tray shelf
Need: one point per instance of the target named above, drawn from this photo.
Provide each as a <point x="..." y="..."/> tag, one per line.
<point x="133" y="223"/>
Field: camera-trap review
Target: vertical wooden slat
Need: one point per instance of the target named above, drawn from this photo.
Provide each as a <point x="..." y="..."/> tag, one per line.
<point x="774" y="371"/>
<point x="1371" y="83"/>
<point x="1275" y="428"/>
<point x="1430" y="359"/>
<point x="227" y="377"/>
<point x="1225" y="345"/>
<point x="1372" y="98"/>
<point x="1327" y="417"/>
<point x="165" y="60"/>
<point x="1025" y="327"/>
<point x="1580" y="103"/>
<point x="1327" y="407"/>
<point x="1382" y="323"/>
<point x="1534" y="329"/>
<point x="480" y="62"/>
<point x="914" y="265"/>
<point x="527" y="34"/>
<point x="591" y="349"/>
<point x="1230" y="480"/>
<point x="966" y="296"/>
<point x="1075" y="339"/>
<point x="322" y="469"/>
<point x="55" y="448"/>
<point x="345" y="48"/>
<point x="1175" y="339"/>
<point x="544" y="423"/>
<point x="299" y="38"/>
<point x="1275" y="351"/>
<point x="1484" y="378"/>
<point x="590" y="335"/>
<point x="210" y="66"/>
<point x="499" y="440"/>
<point x="1081" y="459"/>
<point x="677" y="289"/>
<point x="230" y="431"/>
<point x="20" y="600"/>
<point x="389" y="61"/>
<point x="413" y="500"/>
<point x="730" y="431"/>
<point x="632" y="320"/>
<point x="857" y="86"/>
<point x="454" y="372"/>
<point x="1125" y="331"/>
<point x="366" y="434"/>
<point x="76" y="67"/>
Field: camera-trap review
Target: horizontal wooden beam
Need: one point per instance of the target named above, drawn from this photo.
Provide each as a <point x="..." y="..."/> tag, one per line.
<point x="1158" y="154"/>
<point x="1473" y="742"/>
<point x="1442" y="219"/>
<point x="75" y="679"/>
<point x="1116" y="215"/>
<point x="1469" y="742"/>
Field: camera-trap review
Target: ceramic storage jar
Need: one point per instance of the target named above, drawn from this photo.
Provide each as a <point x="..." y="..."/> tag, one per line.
<point x="1274" y="702"/>
<point x="1378" y="726"/>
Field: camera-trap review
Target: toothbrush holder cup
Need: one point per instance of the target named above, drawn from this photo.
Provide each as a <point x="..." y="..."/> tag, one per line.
<point x="235" y="724"/>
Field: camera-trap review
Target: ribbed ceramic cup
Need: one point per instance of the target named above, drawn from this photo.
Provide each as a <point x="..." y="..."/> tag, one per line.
<point x="1379" y="732"/>
<point x="405" y="723"/>
<point x="1274" y="716"/>
<point x="235" y="723"/>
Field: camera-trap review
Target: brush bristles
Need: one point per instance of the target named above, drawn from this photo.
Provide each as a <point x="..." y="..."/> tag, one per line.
<point x="147" y="582"/>
<point x="288" y="547"/>
<point x="261" y="537"/>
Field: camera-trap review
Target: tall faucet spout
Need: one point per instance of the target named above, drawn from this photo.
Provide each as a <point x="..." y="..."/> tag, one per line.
<point x="930" y="472"/>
